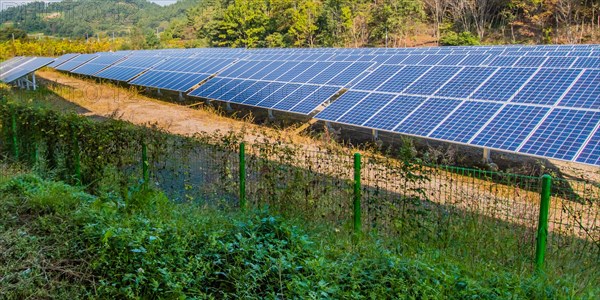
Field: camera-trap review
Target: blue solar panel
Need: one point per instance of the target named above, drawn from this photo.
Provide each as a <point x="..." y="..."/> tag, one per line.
<point x="273" y="93"/>
<point x="338" y="108"/>
<point x="562" y="133"/>
<point x="427" y="116"/>
<point x="279" y="95"/>
<point x="432" y="59"/>
<point x="225" y="86"/>
<point x="547" y="86"/>
<point x="451" y="60"/>
<point x="466" y="121"/>
<point x="585" y="93"/>
<point x="381" y="59"/>
<point x="295" y="97"/>
<point x="396" y="59"/>
<point x="23" y="67"/>
<point x="247" y="91"/>
<point x="403" y="79"/>
<point x="579" y="53"/>
<point x="252" y="69"/>
<point x="559" y="62"/>
<point x="474" y="60"/>
<point x="62" y="59"/>
<point x="503" y="84"/>
<point x="193" y="65"/>
<point x="266" y="70"/>
<point x="236" y="69"/>
<point x="351" y="74"/>
<point x="76" y="62"/>
<point x="180" y="74"/>
<point x="377" y="77"/>
<point x="119" y="73"/>
<point x="530" y="61"/>
<point x="330" y="72"/>
<point x="503" y="61"/>
<point x="413" y="59"/>
<point x="311" y="72"/>
<point x="129" y="68"/>
<point x="208" y="88"/>
<point x="366" y="108"/>
<point x="98" y="64"/>
<point x="278" y="71"/>
<point x="432" y="80"/>
<point x="590" y="154"/>
<point x="587" y="62"/>
<point x="395" y="111"/>
<point x="290" y="74"/>
<point x="173" y="81"/>
<point x="234" y="88"/>
<point x="510" y="127"/>
<point x="314" y="100"/>
<point x="465" y="82"/>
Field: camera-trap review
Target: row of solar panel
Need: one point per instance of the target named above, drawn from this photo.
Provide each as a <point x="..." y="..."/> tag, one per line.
<point x="449" y="60"/>
<point x="563" y="87"/>
<point x="439" y="92"/>
<point x="497" y="84"/>
<point x="19" y="67"/>
<point x="541" y="131"/>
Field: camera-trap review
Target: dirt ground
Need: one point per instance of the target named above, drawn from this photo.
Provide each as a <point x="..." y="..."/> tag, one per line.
<point x="105" y="100"/>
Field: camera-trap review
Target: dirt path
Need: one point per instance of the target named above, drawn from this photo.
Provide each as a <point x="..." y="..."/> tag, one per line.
<point x="110" y="101"/>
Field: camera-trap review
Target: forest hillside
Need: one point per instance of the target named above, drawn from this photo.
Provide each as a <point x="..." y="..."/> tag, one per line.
<point x="309" y="23"/>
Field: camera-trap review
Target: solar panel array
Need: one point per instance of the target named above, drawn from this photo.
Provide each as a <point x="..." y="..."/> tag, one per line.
<point x="16" y="68"/>
<point x="62" y="59"/>
<point x="75" y="62"/>
<point x="536" y="100"/>
<point x="98" y="64"/>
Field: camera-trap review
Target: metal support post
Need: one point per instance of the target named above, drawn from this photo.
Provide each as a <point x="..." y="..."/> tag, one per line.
<point x="375" y="134"/>
<point x="487" y="155"/>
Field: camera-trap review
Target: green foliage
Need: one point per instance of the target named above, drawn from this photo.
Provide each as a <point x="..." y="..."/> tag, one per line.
<point x="60" y="139"/>
<point x="142" y="247"/>
<point x="307" y="185"/>
<point x="452" y="38"/>
<point x="9" y="33"/>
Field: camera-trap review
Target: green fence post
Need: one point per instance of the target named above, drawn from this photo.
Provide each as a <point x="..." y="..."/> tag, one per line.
<point x="357" y="195"/>
<point x="15" y="138"/>
<point x="145" y="164"/>
<point x="242" y="176"/>
<point x="542" y="233"/>
<point x="77" y="156"/>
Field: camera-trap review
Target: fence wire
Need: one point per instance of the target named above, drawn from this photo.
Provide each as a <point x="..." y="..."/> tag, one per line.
<point x="454" y="210"/>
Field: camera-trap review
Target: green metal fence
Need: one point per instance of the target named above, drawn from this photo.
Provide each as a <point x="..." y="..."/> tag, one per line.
<point x="476" y="216"/>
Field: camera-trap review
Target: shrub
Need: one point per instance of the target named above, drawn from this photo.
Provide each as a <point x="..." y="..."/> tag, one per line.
<point x="452" y="38"/>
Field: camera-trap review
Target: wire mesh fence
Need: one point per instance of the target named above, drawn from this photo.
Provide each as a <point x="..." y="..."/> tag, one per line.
<point x="472" y="215"/>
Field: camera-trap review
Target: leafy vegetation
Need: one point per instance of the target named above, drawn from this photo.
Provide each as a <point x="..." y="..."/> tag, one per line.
<point x="52" y="47"/>
<point x="312" y="23"/>
<point x="58" y="241"/>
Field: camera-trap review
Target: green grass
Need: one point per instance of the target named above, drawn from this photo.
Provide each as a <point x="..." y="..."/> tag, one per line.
<point x="59" y="242"/>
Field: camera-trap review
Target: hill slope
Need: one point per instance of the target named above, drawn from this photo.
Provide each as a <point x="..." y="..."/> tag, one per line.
<point x="75" y="19"/>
